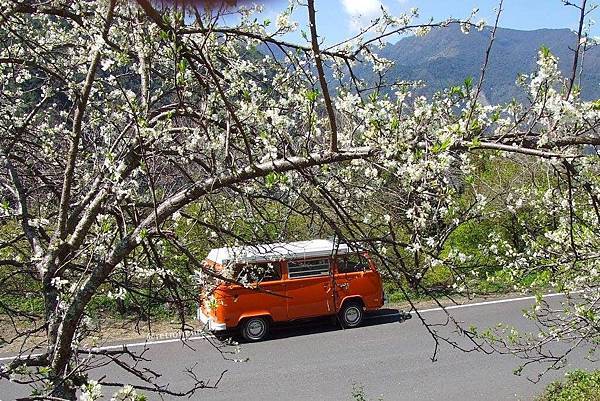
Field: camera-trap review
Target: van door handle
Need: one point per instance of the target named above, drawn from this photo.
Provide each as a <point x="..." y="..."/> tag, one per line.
<point x="344" y="286"/>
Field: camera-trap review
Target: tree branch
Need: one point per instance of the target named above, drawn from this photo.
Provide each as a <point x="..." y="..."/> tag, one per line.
<point x="319" y="64"/>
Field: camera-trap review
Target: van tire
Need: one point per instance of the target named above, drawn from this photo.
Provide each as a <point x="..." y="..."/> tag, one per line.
<point x="255" y="328"/>
<point x="222" y="336"/>
<point x="351" y="314"/>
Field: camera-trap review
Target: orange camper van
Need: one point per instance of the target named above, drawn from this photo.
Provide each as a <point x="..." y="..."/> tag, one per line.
<point x="289" y="281"/>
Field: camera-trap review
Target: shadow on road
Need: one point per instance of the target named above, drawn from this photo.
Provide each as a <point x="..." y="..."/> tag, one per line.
<point x="327" y="324"/>
<point x="384" y="316"/>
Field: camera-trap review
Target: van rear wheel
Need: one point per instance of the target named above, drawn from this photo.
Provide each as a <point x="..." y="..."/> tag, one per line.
<point x="351" y="314"/>
<point x="255" y="328"/>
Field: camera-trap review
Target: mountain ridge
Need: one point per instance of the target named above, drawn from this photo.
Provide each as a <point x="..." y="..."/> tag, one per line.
<point x="446" y="57"/>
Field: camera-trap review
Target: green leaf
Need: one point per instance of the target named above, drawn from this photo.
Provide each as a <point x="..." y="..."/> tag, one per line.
<point x="312" y="95"/>
<point x="178" y="17"/>
<point x="182" y="65"/>
<point x="442" y="147"/>
<point x="44" y="370"/>
<point x="495" y="116"/>
<point x="456" y="90"/>
<point x="469" y="82"/>
<point x="476" y="127"/>
<point x="596" y="105"/>
<point x="106" y="226"/>
<point x="476" y="142"/>
<point x="271" y="180"/>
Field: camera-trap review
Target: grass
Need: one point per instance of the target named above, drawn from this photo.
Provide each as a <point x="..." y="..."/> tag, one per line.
<point x="439" y="283"/>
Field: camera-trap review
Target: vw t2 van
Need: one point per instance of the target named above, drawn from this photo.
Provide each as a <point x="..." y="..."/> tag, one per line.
<point x="289" y="281"/>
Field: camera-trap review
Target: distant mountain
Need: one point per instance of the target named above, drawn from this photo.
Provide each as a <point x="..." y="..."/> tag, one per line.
<point x="446" y="56"/>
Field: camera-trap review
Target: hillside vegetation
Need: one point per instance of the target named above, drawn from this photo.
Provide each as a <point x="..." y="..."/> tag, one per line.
<point x="446" y="56"/>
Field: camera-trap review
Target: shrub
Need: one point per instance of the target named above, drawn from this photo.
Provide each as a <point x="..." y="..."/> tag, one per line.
<point x="358" y="393"/>
<point x="579" y="385"/>
<point x="438" y="278"/>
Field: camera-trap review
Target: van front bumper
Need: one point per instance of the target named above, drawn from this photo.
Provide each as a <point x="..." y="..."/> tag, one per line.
<point x="210" y="323"/>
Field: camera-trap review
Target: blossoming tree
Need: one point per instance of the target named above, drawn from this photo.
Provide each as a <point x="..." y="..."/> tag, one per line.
<point x="131" y="133"/>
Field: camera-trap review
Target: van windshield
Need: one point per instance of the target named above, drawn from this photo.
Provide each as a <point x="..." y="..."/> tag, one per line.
<point x="352" y="263"/>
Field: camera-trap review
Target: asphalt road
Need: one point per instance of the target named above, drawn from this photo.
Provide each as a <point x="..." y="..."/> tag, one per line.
<point x="389" y="357"/>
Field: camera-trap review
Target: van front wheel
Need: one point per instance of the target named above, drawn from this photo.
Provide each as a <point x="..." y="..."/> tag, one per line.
<point x="351" y="314"/>
<point x="255" y="328"/>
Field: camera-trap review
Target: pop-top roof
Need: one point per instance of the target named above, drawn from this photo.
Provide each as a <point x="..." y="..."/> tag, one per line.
<point x="277" y="251"/>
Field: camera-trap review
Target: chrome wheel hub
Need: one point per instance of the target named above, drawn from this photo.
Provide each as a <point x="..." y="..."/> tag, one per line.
<point x="352" y="315"/>
<point x="256" y="328"/>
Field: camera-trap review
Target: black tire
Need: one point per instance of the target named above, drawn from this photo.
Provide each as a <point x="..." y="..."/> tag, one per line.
<point x="255" y="328"/>
<point x="222" y="336"/>
<point x="351" y="314"/>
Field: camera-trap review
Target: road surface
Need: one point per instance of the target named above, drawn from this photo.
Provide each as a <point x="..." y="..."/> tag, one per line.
<point x="390" y="357"/>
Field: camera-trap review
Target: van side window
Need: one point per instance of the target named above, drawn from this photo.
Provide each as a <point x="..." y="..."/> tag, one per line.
<point x="308" y="268"/>
<point x="352" y="263"/>
<point x="257" y="272"/>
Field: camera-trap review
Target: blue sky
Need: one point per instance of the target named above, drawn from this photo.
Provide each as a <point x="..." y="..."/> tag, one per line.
<point x="338" y="19"/>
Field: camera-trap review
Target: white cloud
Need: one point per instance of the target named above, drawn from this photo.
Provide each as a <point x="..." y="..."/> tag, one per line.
<point x="362" y="8"/>
<point x="361" y="12"/>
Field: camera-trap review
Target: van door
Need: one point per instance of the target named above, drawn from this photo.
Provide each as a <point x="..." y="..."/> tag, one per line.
<point x="270" y="299"/>
<point x="309" y="288"/>
<point x="355" y="277"/>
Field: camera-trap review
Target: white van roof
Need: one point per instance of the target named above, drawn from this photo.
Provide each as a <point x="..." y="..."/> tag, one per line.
<point x="278" y="251"/>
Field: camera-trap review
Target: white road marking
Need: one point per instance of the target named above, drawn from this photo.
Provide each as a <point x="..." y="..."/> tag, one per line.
<point x="205" y="336"/>
<point x="120" y="346"/>
<point x="498" y="301"/>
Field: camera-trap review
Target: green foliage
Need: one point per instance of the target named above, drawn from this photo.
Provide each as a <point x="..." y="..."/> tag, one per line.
<point x="495" y="282"/>
<point x="19" y="291"/>
<point x="468" y="83"/>
<point x="274" y="178"/>
<point x="545" y="50"/>
<point x="442" y="147"/>
<point x="312" y="95"/>
<point x="358" y="393"/>
<point x="32" y="303"/>
<point x="579" y="385"/>
<point x="397" y="296"/>
<point x="438" y="277"/>
<point x="469" y="237"/>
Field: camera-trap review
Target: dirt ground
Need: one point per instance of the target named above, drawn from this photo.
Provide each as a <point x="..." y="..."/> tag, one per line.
<point x="104" y="332"/>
